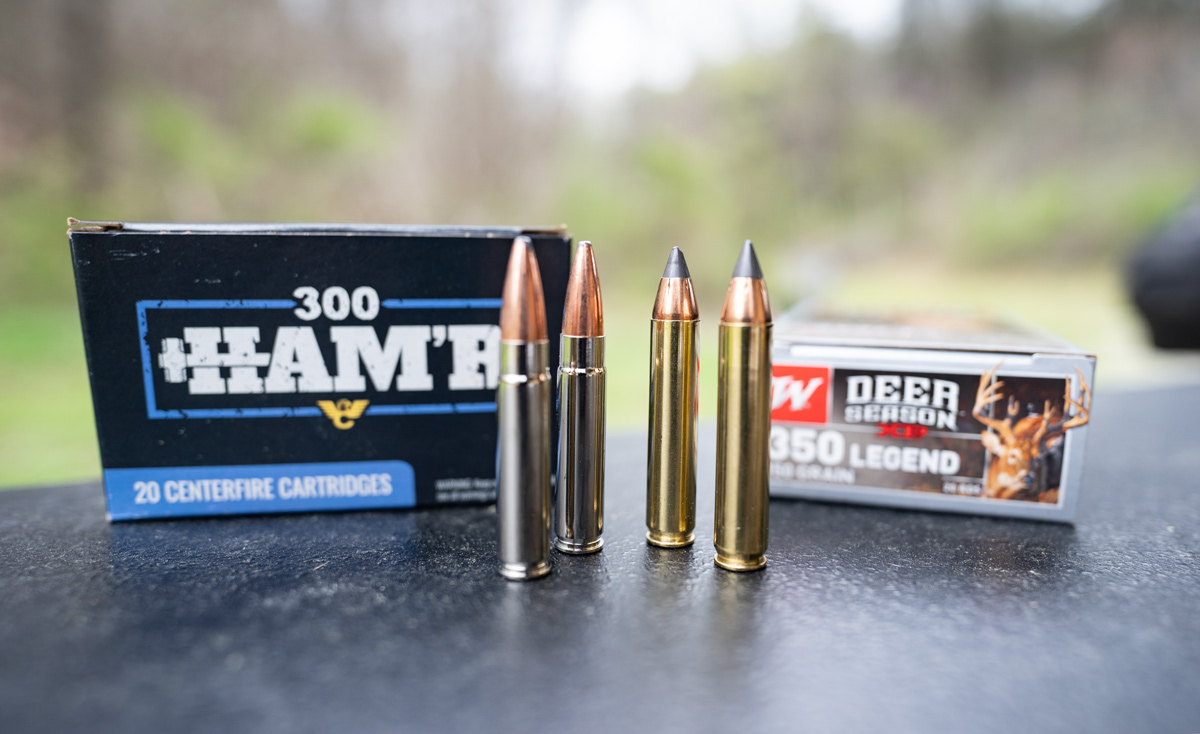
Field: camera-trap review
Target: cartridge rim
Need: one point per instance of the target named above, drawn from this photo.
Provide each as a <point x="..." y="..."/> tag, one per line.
<point x="578" y="547"/>
<point x="670" y="540"/>
<point x="524" y="571"/>
<point x="740" y="563"/>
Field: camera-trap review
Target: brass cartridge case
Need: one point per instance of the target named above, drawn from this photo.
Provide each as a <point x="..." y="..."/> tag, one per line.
<point x="579" y="509"/>
<point x="671" y="459"/>
<point x="743" y="429"/>
<point x="523" y="472"/>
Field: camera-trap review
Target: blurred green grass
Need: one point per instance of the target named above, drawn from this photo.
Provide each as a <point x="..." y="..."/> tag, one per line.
<point x="47" y="433"/>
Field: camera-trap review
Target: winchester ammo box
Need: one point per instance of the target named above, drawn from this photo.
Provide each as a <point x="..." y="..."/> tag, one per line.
<point x="934" y="411"/>
<point x="286" y="368"/>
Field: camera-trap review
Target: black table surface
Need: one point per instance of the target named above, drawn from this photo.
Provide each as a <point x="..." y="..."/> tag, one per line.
<point x="864" y="620"/>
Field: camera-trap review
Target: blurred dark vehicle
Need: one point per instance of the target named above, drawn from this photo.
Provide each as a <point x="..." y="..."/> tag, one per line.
<point x="1164" y="280"/>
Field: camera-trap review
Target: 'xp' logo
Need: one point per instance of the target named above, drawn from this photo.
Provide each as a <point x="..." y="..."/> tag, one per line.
<point x="800" y="394"/>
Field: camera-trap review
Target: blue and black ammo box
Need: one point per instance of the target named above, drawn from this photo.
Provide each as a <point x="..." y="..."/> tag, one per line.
<point x="257" y="368"/>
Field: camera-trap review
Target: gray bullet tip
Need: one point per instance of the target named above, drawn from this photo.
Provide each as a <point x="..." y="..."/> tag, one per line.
<point x="747" y="264"/>
<point x="676" y="265"/>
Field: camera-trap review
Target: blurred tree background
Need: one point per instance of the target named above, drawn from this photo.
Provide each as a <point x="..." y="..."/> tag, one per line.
<point x="1004" y="153"/>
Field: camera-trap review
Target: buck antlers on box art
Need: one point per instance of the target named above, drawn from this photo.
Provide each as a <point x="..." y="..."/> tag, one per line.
<point x="1025" y="454"/>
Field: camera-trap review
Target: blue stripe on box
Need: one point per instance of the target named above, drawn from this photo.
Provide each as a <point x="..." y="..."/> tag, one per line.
<point x="185" y="491"/>
<point x="441" y="303"/>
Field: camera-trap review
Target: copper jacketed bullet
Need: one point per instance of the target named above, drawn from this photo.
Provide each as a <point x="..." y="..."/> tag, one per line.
<point x="523" y="408"/>
<point x="579" y="506"/>
<point x="743" y="419"/>
<point x="674" y="381"/>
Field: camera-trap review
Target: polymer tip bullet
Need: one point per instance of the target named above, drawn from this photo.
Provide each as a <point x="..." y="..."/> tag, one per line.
<point x="674" y="382"/>
<point x="675" y="300"/>
<point x="746" y="300"/>
<point x="743" y="418"/>
<point x="676" y="265"/>
<point x="579" y="505"/>
<point x="523" y="402"/>
<point x="747" y="263"/>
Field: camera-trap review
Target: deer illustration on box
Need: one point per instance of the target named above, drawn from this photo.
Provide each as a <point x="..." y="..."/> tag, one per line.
<point x="1025" y="455"/>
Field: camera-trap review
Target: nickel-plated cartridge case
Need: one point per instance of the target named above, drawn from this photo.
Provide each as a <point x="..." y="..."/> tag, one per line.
<point x="523" y="407"/>
<point x="743" y="419"/>
<point x="674" y="385"/>
<point x="579" y="509"/>
<point x="579" y="502"/>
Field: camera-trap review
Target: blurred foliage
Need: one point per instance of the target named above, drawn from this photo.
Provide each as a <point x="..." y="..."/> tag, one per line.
<point x="987" y="139"/>
<point x="994" y="132"/>
<point x="1071" y="213"/>
<point x="181" y="140"/>
<point x="330" y="124"/>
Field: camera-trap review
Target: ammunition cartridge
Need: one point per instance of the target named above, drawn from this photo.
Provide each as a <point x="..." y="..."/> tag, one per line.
<point x="743" y="419"/>
<point x="579" y="505"/>
<point x="523" y="408"/>
<point x="674" y="382"/>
